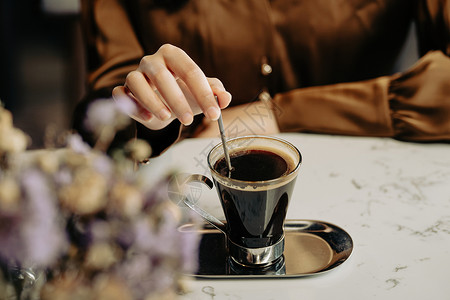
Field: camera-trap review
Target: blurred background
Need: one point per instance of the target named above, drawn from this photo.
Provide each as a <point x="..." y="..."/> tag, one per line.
<point x="42" y="64"/>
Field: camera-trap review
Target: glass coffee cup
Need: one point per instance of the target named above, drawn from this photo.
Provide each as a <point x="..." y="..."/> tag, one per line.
<point x="254" y="195"/>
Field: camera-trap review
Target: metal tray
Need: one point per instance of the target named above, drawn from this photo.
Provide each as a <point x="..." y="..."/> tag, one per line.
<point x="311" y="248"/>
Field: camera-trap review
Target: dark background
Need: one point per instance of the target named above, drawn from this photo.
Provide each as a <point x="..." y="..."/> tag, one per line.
<point x="41" y="63"/>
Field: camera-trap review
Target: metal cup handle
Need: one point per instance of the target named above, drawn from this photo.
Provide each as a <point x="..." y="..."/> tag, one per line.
<point x="204" y="214"/>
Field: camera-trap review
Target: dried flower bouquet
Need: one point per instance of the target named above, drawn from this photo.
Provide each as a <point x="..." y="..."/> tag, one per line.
<point x="76" y="223"/>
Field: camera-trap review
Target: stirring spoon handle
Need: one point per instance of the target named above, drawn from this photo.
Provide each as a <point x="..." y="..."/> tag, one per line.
<point x="225" y="148"/>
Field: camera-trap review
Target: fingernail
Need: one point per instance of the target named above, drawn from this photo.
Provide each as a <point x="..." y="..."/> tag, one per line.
<point x="186" y="119"/>
<point x="213" y="113"/>
<point x="164" y="114"/>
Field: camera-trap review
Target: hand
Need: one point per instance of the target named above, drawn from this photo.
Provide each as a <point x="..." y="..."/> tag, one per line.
<point x="169" y="85"/>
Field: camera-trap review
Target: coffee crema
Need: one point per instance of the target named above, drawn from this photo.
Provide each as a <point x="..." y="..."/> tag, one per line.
<point x="254" y="165"/>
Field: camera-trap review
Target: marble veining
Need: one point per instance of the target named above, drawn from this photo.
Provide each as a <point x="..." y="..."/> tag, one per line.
<point x="392" y="197"/>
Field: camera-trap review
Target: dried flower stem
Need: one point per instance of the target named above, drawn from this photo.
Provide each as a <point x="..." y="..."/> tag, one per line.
<point x="105" y="139"/>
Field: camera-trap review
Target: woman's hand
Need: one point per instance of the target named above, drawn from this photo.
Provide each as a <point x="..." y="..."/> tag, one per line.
<point x="169" y="85"/>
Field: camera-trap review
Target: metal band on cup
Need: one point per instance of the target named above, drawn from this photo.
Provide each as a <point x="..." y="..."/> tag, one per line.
<point x="256" y="257"/>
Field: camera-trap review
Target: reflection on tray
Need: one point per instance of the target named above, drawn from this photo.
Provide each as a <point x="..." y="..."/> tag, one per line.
<point x="311" y="247"/>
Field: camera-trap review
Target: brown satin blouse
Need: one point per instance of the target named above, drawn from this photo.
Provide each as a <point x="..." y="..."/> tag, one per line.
<point x="328" y="64"/>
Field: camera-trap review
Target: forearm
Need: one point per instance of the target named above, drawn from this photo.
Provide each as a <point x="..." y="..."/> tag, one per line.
<point x="254" y="118"/>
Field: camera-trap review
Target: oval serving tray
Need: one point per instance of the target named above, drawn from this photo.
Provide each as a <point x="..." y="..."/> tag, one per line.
<point x="311" y="248"/>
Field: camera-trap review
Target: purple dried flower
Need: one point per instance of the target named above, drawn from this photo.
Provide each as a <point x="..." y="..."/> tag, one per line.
<point x="103" y="165"/>
<point x="34" y="235"/>
<point x="145" y="239"/>
<point x="63" y="177"/>
<point x="118" y="222"/>
<point x="126" y="106"/>
<point x="101" y="230"/>
<point x="135" y="271"/>
<point x="76" y="143"/>
<point x="43" y="231"/>
<point x="105" y="113"/>
<point x="188" y="246"/>
<point x="159" y="253"/>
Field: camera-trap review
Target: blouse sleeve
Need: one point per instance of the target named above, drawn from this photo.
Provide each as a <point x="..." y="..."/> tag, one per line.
<point x="414" y="105"/>
<point x="113" y="50"/>
<point x="420" y="100"/>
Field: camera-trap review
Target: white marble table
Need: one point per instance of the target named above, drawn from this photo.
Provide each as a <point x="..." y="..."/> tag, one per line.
<point x="392" y="197"/>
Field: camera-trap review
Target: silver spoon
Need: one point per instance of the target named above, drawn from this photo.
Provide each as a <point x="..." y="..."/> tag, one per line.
<point x="224" y="140"/>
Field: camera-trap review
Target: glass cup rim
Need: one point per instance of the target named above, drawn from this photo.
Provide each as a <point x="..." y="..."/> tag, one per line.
<point x="284" y="177"/>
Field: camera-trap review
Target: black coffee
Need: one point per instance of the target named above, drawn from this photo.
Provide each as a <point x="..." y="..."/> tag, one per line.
<point x="255" y="216"/>
<point x="253" y="165"/>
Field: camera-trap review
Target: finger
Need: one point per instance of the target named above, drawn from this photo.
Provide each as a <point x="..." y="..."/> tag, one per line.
<point x="156" y="70"/>
<point x="146" y="96"/>
<point x="139" y="113"/>
<point x="194" y="78"/>
<point x="218" y="89"/>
